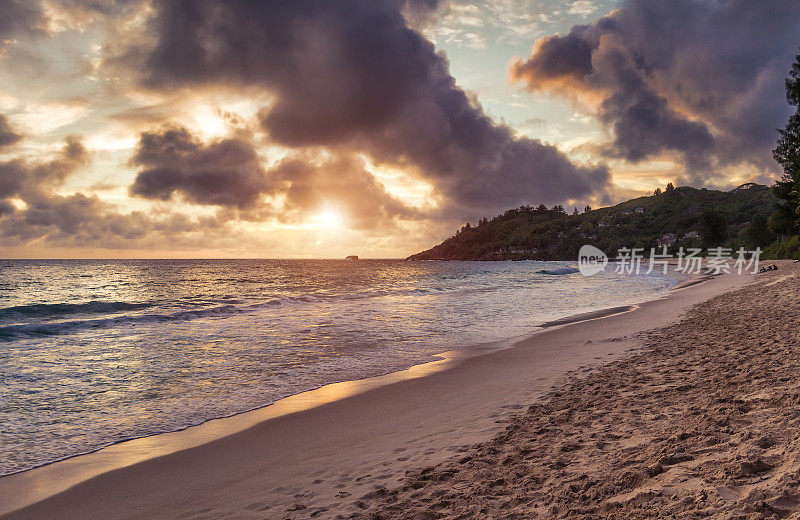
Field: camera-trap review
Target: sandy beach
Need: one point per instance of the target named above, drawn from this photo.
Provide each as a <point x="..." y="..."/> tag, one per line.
<point x="668" y="409"/>
<point x="703" y="423"/>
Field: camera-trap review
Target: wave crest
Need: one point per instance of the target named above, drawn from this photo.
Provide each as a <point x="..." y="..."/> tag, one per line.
<point x="43" y="310"/>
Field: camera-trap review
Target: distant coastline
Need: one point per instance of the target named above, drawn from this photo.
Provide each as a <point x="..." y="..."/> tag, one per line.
<point x="673" y="218"/>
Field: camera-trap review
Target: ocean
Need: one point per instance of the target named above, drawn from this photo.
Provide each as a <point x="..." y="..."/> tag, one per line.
<point x="94" y="352"/>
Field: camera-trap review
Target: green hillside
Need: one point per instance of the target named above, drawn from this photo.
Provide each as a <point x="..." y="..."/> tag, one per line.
<point x="688" y="217"/>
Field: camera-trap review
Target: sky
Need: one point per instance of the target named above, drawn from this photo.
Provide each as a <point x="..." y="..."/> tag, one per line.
<point x="320" y="129"/>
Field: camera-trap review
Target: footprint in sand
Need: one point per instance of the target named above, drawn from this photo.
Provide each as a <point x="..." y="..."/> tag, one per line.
<point x="257" y="506"/>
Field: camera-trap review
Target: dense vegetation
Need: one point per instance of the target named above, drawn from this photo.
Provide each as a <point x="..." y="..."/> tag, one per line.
<point x="691" y="217"/>
<point x="786" y="220"/>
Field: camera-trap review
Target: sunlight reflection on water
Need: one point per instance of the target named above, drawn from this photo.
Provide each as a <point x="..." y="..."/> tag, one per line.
<point x="93" y="352"/>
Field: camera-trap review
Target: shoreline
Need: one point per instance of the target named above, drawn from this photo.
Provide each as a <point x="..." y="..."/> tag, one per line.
<point x="125" y="455"/>
<point x="247" y="418"/>
<point x="328" y="348"/>
<point x="437" y="362"/>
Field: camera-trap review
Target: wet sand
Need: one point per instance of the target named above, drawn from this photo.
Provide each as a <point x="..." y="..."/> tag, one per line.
<point x="361" y="454"/>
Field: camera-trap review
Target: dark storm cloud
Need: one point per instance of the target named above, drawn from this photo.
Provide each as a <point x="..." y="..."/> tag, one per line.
<point x="560" y="58"/>
<point x="702" y="79"/>
<point x="223" y="173"/>
<point x="7" y="135"/>
<point x="6" y="208"/>
<point x="643" y="122"/>
<point x="18" y="17"/>
<point x="228" y="173"/>
<point x="353" y="74"/>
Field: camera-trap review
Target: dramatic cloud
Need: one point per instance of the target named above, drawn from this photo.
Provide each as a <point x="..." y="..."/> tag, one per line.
<point x="32" y="210"/>
<point x="7" y="135"/>
<point x="223" y="173"/>
<point x="18" y="17"/>
<point x="18" y="178"/>
<point x="228" y="173"/>
<point x="72" y="220"/>
<point x="699" y="79"/>
<point x="46" y="214"/>
<point x="352" y="74"/>
<point x="252" y="118"/>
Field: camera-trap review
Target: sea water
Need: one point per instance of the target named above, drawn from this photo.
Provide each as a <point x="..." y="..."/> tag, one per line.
<point x="94" y="352"/>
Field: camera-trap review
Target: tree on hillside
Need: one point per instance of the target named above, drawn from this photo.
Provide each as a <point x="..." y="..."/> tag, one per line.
<point x="786" y="220"/>
<point x="657" y="192"/>
<point x="670" y="187"/>
<point x="713" y="228"/>
<point x="757" y="234"/>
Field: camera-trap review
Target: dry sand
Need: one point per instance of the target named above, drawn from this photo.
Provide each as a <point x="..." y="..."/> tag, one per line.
<point x="701" y="422"/>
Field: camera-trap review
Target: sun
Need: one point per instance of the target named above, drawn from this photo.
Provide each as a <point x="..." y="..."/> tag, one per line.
<point x="329" y="219"/>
